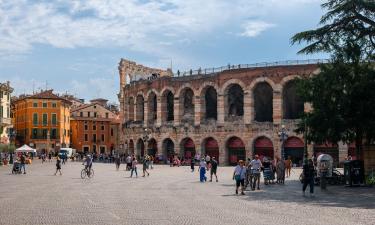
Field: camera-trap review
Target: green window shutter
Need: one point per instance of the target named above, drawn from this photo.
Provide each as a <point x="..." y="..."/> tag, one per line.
<point x="45" y="119"/>
<point x="35" y="119"/>
<point x="54" y="119"/>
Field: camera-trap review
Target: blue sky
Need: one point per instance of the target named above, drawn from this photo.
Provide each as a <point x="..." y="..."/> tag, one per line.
<point x="75" y="46"/>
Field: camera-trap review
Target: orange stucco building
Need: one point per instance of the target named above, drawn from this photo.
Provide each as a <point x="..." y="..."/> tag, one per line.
<point x="42" y="121"/>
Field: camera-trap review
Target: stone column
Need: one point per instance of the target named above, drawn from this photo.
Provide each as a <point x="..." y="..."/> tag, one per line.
<point x="158" y="111"/>
<point x="220" y="109"/>
<point x="126" y="107"/>
<point x="277" y="107"/>
<point x="223" y="156"/>
<point x="248" y="107"/>
<point x="197" y="112"/>
<point x="145" y="113"/>
<point x="177" y="116"/>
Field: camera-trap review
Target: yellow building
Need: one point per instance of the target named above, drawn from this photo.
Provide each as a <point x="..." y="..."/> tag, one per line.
<point x="42" y="121"/>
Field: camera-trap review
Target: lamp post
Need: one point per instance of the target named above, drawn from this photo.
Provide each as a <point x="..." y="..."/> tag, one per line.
<point x="283" y="136"/>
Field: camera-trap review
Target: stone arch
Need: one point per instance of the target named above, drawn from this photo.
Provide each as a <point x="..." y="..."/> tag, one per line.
<point x="262" y="97"/>
<point x="168" y="147"/>
<point x="140" y="148"/>
<point x="235" y="148"/>
<point x="208" y="100"/>
<point x="263" y="147"/>
<point x="261" y="80"/>
<point x="225" y="86"/>
<point x="152" y="102"/>
<point x="187" y="148"/>
<point x="184" y="86"/>
<point x="140" y="108"/>
<point x="152" y="147"/>
<point x="292" y="105"/>
<point x="294" y="149"/>
<point x="187" y="105"/>
<point x="234" y="98"/>
<point x="210" y="146"/>
<point x="167" y="105"/>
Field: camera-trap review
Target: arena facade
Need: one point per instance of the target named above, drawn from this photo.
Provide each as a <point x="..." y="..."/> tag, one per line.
<point x="231" y="112"/>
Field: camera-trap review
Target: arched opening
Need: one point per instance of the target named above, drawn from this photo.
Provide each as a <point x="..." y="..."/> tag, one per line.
<point x="140" y="148"/>
<point x="131" y="109"/>
<point x="152" y="147"/>
<point x="263" y="107"/>
<point x="140" y="108"/>
<point x="168" y="149"/>
<point x="187" y="106"/>
<point x="152" y="107"/>
<point x="131" y="147"/>
<point x="294" y="148"/>
<point x="329" y="149"/>
<point x="211" y="148"/>
<point x="292" y="104"/>
<point x="187" y="148"/>
<point x="263" y="147"/>
<point x="234" y="102"/>
<point x="167" y="106"/>
<point x="236" y="150"/>
<point x="209" y="106"/>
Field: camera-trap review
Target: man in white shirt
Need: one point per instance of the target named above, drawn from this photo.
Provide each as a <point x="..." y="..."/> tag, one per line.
<point x="256" y="166"/>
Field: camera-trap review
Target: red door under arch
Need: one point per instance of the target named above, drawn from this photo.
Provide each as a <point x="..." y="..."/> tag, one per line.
<point x="188" y="148"/>
<point x="264" y="148"/>
<point x="236" y="150"/>
<point x="212" y="148"/>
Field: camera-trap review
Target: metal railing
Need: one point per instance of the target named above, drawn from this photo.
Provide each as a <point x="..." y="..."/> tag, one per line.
<point x="248" y="66"/>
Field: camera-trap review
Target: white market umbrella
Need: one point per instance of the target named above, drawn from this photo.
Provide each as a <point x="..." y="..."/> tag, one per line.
<point x="25" y="148"/>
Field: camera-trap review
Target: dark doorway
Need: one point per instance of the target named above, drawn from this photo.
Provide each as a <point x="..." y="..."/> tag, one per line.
<point x="236" y="150"/>
<point x="263" y="147"/>
<point x="263" y="96"/>
<point x="211" y="148"/>
<point x="235" y="101"/>
<point x="293" y="149"/>
<point x="292" y="104"/>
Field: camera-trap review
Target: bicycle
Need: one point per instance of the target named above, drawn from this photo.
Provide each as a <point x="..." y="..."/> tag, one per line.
<point x="89" y="172"/>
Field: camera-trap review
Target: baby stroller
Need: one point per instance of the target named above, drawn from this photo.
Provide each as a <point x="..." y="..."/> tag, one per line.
<point x="268" y="174"/>
<point x="16" y="168"/>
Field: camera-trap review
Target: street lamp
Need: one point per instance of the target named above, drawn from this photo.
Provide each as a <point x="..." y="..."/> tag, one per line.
<point x="145" y="138"/>
<point x="283" y="136"/>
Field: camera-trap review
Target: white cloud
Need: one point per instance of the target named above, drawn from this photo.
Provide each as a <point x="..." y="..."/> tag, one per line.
<point x="254" y="28"/>
<point x="146" y="26"/>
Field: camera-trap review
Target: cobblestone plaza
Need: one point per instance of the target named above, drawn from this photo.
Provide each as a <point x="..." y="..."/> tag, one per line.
<point x="169" y="196"/>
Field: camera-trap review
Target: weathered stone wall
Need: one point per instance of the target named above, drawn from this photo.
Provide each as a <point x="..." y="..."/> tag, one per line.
<point x="222" y="129"/>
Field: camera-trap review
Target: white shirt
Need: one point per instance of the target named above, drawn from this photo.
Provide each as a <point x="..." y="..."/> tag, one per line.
<point x="256" y="164"/>
<point x="202" y="164"/>
<point x="240" y="171"/>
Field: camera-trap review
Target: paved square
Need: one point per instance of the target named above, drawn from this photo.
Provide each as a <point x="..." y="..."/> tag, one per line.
<point x="169" y="196"/>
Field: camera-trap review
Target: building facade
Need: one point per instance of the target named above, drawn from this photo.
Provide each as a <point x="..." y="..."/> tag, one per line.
<point x="5" y="112"/>
<point x="95" y="128"/>
<point x="42" y="120"/>
<point x="231" y="112"/>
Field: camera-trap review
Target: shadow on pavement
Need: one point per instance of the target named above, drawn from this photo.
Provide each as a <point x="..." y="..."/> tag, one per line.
<point x="334" y="196"/>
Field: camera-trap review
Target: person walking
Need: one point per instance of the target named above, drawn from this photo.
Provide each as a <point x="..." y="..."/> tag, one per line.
<point x="58" y="165"/>
<point x="128" y="163"/>
<point x="117" y="162"/>
<point x="49" y="157"/>
<point x="151" y="162"/>
<point x="145" y="167"/>
<point x="308" y="177"/>
<point x="256" y="166"/>
<point x="213" y="168"/>
<point x="22" y="163"/>
<point x="192" y="164"/>
<point x="280" y="171"/>
<point x="202" y="170"/>
<point x="239" y="176"/>
<point x="134" y="167"/>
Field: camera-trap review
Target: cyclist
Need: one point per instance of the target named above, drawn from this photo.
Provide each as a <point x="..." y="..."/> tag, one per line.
<point x="88" y="162"/>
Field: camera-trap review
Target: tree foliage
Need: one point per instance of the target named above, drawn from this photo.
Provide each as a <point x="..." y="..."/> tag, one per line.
<point x="344" y="20"/>
<point x="343" y="93"/>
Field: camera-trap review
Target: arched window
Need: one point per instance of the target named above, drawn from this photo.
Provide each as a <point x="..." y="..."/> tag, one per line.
<point x="210" y="103"/>
<point x="152" y="107"/>
<point x="292" y="104"/>
<point x="234" y="101"/>
<point x="263" y="96"/>
<point x="140" y="108"/>
<point x="187" y="105"/>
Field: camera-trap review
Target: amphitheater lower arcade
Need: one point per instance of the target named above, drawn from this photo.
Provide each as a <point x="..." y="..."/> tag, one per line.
<point x="232" y="114"/>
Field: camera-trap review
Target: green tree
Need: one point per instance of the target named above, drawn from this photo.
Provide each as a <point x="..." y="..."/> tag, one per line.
<point x="345" y="19"/>
<point x="343" y="93"/>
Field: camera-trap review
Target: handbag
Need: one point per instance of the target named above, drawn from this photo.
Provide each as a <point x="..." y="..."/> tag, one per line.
<point x="238" y="176"/>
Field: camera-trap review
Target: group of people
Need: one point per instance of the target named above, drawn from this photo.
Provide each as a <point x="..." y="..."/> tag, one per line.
<point x="206" y="164"/>
<point x="132" y="162"/>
